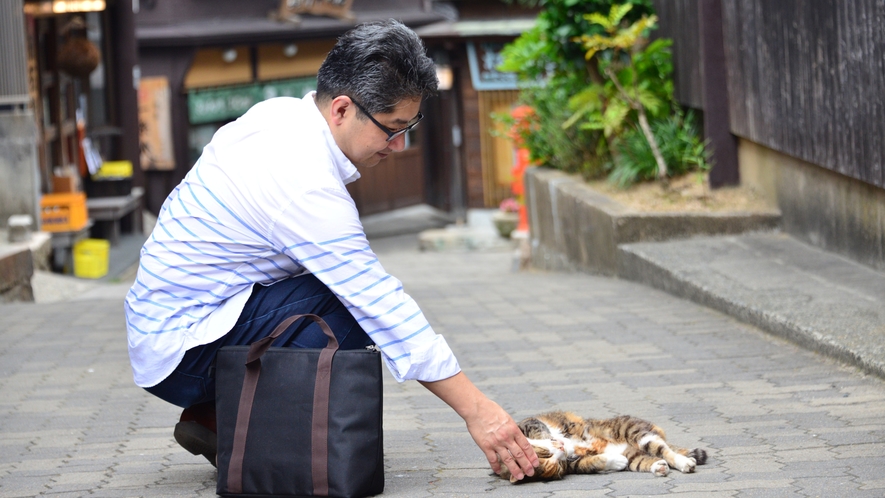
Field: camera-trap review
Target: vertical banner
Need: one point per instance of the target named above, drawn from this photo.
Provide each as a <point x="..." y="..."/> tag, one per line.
<point x="155" y="124"/>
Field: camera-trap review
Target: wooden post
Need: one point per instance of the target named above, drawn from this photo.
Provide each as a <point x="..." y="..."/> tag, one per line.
<point x="715" y="96"/>
<point x="125" y="71"/>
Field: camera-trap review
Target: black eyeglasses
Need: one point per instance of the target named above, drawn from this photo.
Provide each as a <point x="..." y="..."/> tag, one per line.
<point x="391" y="135"/>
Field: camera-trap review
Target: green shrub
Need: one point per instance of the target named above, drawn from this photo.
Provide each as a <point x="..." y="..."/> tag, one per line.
<point x="679" y="143"/>
<point x="602" y="92"/>
<point x="550" y="62"/>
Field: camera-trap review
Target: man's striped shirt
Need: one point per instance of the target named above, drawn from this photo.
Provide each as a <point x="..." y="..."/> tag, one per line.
<point x="267" y="201"/>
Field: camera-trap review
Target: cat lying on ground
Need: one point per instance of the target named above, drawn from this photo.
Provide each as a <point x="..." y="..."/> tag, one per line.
<point x="568" y="444"/>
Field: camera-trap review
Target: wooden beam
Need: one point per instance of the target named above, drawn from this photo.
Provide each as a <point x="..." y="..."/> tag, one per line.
<point x="715" y="96"/>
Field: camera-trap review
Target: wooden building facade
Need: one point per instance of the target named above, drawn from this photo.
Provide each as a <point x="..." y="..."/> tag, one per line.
<point x="204" y="64"/>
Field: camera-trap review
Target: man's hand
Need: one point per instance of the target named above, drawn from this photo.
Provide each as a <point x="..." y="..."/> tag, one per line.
<point x="500" y="439"/>
<point x="493" y="430"/>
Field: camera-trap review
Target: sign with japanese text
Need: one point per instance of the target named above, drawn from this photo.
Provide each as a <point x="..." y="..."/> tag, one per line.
<point x="222" y="104"/>
<point x="484" y="59"/>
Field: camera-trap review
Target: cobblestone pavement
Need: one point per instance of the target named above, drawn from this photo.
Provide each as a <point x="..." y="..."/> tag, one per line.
<point x="776" y="420"/>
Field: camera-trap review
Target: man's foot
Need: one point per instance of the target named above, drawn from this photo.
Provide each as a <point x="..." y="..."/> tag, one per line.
<point x="195" y="431"/>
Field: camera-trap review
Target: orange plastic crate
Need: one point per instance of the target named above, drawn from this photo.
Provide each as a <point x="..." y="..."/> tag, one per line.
<point x="63" y="212"/>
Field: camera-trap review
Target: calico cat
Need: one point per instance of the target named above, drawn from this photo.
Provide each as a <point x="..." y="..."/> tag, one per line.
<point x="568" y="444"/>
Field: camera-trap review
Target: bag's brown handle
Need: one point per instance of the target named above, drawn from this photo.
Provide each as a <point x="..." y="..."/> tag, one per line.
<point x="319" y="440"/>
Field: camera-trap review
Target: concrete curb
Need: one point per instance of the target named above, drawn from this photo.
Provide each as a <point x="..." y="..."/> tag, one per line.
<point x="575" y="227"/>
<point x="640" y="267"/>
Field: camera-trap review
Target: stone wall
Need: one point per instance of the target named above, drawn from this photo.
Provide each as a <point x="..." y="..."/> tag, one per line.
<point x="820" y="207"/>
<point x="16" y="270"/>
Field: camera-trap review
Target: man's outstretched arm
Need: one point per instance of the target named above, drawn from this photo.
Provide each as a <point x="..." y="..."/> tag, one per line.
<point x="493" y="430"/>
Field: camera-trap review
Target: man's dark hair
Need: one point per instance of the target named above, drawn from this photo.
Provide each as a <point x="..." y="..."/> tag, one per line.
<point x="378" y="64"/>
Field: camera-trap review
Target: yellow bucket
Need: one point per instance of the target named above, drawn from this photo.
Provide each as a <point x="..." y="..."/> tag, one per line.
<point x="91" y="258"/>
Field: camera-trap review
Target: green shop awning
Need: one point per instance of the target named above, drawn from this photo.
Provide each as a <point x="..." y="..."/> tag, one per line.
<point x="222" y="104"/>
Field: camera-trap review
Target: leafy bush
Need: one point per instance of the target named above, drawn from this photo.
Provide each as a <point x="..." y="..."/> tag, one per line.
<point x="599" y="88"/>
<point x="550" y="62"/>
<point x="680" y="145"/>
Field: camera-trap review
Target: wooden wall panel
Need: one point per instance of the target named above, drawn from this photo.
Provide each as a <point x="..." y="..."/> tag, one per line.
<point x="679" y="21"/>
<point x="471" y="147"/>
<point x="807" y="78"/>
<point x="497" y="151"/>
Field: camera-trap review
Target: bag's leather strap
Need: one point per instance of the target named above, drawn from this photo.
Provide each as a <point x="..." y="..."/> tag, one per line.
<point x="319" y="440"/>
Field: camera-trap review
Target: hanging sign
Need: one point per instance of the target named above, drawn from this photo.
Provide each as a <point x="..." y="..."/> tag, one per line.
<point x="289" y="9"/>
<point x="155" y="124"/>
<point x="223" y="104"/>
<point x="484" y="59"/>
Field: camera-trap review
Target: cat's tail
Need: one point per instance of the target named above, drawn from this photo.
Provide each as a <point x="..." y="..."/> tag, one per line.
<point x="699" y="455"/>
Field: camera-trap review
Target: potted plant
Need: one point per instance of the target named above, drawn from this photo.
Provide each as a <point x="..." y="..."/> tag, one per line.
<point x="507" y="217"/>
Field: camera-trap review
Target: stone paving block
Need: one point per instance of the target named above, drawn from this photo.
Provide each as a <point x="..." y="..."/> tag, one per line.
<point x="865" y="469"/>
<point x="873" y="484"/>
<point x="463" y="486"/>
<point x="183" y="474"/>
<point x="801" y="441"/>
<point x="408" y="461"/>
<point x="149" y="465"/>
<point x="769" y="493"/>
<point x="826" y="486"/>
<point x="818" y="469"/>
<point x="580" y="493"/>
<point x="641" y="484"/>
<point x="133" y="480"/>
<point x="90" y="465"/>
<point x="751" y="464"/>
<point x="737" y="484"/>
<point x="816" y="421"/>
<point x="845" y="437"/>
<point x="36" y="466"/>
<point x="77" y="480"/>
<point x="859" y="450"/>
<point x="409" y="484"/>
<point x="825" y="454"/>
<point x="109" y="491"/>
<point x="569" y="483"/>
<point x="17" y="486"/>
<point x="64" y="494"/>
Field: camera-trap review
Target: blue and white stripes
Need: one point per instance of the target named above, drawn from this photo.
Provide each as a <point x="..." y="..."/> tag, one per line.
<point x="265" y="202"/>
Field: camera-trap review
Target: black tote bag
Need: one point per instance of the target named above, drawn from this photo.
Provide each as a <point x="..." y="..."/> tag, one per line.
<point x="299" y="422"/>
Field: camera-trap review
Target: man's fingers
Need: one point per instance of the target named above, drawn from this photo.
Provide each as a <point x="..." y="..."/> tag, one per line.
<point x="528" y="450"/>
<point x="521" y="459"/>
<point x="494" y="462"/>
<point x="513" y="466"/>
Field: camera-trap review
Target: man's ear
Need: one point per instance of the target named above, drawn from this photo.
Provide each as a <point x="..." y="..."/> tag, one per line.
<point x="341" y="106"/>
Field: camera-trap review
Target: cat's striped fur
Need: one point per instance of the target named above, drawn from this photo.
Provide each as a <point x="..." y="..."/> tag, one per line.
<point x="569" y="444"/>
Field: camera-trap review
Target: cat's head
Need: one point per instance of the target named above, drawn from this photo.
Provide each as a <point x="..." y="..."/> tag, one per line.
<point x="551" y="462"/>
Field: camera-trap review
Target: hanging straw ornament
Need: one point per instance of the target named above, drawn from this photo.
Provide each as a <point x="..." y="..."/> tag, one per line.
<point x="78" y="56"/>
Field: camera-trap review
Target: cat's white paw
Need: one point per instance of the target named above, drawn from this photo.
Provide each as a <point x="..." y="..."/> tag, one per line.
<point x="660" y="468"/>
<point x="615" y="462"/>
<point x="685" y="464"/>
